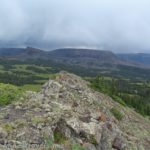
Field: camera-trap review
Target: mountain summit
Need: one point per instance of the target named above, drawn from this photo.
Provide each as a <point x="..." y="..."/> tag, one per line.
<point x="68" y="115"/>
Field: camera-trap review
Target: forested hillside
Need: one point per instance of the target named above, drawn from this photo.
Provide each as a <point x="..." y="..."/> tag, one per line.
<point x="128" y="85"/>
<point x="128" y="92"/>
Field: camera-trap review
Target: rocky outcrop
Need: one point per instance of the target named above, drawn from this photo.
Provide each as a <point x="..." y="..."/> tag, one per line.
<point x="66" y="114"/>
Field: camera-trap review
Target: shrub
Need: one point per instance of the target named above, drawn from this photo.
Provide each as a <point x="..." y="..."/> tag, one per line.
<point x="93" y="140"/>
<point x="59" y="137"/>
<point x="117" y="114"/>
<point x="8" y="127"/>
<point x="8" y="94"/>
<point x="77" y="147"/>
<point x="119" y="100"/>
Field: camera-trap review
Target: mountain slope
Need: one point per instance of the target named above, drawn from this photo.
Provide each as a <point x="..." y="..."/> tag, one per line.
<point x="10" y="52"/>
<point x="67" y="114"/>
<point x="86" y="57"/>
<point x="80" y="57"/>
<point x="22" y="53"/>
<point x="60" y="54"/>
<point x="84" y="53"/>
<point x="85" y="62"/>
<point x="141" y="58"/>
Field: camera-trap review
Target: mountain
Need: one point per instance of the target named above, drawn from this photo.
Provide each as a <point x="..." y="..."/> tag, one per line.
<point x="87" y="58"/>
<point x="80" y="57"/>
<point x="67" y="115"/>
<point x="71" y="53"/>
<point x="84" y="62"/>
<point x="141" y="58"/>
<point x="84" y="53"/>
<point x="10" y="52"/>
<point x="22" y="53"/>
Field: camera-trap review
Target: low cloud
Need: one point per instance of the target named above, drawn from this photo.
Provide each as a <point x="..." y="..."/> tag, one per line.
<point x="120" y="26"/>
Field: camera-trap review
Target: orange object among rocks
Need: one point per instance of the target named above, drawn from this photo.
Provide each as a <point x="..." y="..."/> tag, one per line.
<point x="102" y="117"/>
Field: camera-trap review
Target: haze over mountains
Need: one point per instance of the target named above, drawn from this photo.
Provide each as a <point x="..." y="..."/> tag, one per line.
<point x="116" y="25"/>
<point x="83" y="57"/>
<point x="143" y="58"/>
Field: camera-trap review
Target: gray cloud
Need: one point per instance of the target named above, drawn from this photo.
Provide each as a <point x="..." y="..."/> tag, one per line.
<point x="117" y="25"/>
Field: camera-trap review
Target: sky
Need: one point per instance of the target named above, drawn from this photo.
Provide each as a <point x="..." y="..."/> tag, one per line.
<point x="116" y="25"/>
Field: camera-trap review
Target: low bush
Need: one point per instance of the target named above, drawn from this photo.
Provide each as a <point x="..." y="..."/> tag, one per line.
<point x="117" y="114"/>
<point x="119" y="100"/>
<point x="8" y="94"/>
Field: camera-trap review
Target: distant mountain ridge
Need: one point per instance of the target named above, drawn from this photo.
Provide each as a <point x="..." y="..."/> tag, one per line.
<point x="88" y="53"/>
<point x="87" y="58"/>
<point x="143" y="58"/>
<point x="10" y="52"/>
<point x="18" y="53"/>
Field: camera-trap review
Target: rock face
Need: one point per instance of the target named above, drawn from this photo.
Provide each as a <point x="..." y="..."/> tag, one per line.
<point x="66" y="114"/>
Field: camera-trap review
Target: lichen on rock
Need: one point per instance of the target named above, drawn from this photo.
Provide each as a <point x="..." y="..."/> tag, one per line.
<point x="65" y="113"/>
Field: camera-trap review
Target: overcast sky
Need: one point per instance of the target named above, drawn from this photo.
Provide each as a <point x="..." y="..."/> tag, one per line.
<point x="117" y="25"/>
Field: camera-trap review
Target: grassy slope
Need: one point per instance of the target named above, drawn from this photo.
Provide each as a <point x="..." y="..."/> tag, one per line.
<point x="30" y="75"/>
<point x="25" y="71"/>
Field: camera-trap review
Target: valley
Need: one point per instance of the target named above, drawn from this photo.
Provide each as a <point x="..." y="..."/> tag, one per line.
<point x="127" y="84"/>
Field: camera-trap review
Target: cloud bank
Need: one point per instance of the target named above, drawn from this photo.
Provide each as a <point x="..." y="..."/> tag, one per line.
<point x="121" y="26"/>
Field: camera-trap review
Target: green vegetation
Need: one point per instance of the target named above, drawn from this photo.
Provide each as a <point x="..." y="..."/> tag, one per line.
<point x="129" y="86"/>
<point x="8" y="127"/>
<point x="31" y="87"/>
<point x="8" y="94"/>
<point x="59" y="137"/>
<point x="131" y="92"/>
<point x="117" y="114"/>
<point x="93" y="140"/>
<point x="119" y="100"/>
<point x="77" y="147"/>
<point x="25" y="73"/>
<point x="50" y="145"/>
<point x="37" y="120"/>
